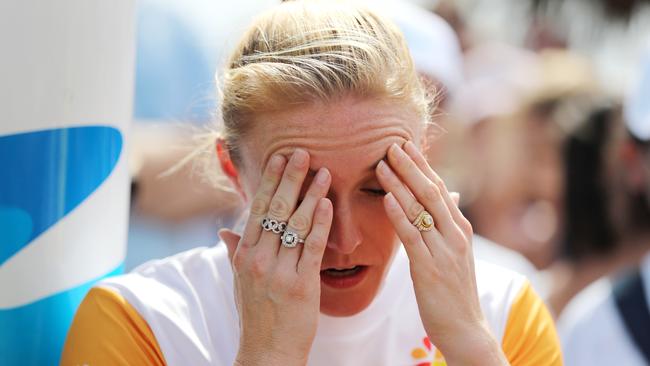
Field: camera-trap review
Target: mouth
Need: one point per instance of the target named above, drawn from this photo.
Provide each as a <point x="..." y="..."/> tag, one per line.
<point x="343" y="277"/>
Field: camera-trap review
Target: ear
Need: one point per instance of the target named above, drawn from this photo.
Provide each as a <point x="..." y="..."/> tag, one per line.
<point x="228" y="167"/>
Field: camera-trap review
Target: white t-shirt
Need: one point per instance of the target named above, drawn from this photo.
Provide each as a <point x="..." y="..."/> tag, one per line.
<point x="187" y="302"/>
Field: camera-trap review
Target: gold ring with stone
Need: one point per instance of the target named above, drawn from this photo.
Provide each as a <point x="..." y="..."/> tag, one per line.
<point x="424" y="221"/>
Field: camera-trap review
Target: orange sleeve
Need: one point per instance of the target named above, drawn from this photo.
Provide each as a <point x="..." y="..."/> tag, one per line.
<point x="530" y="337"/>
<point x="107" y="330"/>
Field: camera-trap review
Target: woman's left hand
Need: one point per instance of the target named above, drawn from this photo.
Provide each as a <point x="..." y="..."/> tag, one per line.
<point x="441" y="260"/>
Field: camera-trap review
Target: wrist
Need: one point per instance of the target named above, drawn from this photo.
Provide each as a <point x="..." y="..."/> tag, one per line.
<point x="266" y="359"/>
<point x="473" y="347"/>
<point x="264" y="355"/>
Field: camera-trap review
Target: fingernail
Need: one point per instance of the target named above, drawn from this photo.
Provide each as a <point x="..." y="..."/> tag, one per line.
<point x="300" y="157"/>
<point x="410" y="148"/>
<point x="276" y="162"/>
<point x="383" y="168"/>
<point x="398" y="152"/>
<point x="390" y="200"/>
<point x="322" y="176"/>
<point x="323" y="204"/>
<point x="455" y="196"/>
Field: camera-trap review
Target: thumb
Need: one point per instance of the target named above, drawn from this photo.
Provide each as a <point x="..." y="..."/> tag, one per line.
<point x="231" y="239"/>
<point x="455" y="196"/>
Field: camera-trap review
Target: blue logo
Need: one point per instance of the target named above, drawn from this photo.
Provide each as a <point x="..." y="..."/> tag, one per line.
<point x="46" y="175"/>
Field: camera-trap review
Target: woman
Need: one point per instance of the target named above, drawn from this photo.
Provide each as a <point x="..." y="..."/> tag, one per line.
<point x="323" y="114"/>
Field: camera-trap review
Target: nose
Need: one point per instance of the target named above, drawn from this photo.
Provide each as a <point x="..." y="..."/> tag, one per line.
<point x="345" y="235"/>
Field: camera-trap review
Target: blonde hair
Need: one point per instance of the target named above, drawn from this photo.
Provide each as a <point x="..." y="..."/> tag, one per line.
<point x="308" y="51"/>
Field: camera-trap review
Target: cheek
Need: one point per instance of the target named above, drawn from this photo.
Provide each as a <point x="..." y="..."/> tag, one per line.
<point x="378" y="230"/>
<point x="250" y="183"/>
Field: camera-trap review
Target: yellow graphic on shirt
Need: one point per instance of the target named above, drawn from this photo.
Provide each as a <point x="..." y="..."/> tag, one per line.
<point x="421" y="354"/>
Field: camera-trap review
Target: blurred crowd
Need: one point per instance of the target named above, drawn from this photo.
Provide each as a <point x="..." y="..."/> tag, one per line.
<point x="542" y="126"/>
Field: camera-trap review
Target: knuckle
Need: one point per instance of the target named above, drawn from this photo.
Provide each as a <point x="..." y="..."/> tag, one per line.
<point x="266" y="192"/>
<point x="258" y="206"/>
<point x="315" y="243"/>
<point x="461" y="241"/>
<point x="293" y="175"/>
<point x="300" y="223"/>
<point x="413" y="236"/>
<point x="279" y="207"/>
<point x="439" y="183"/>
<point x="321" y="221"/>
<point x="432" y="193"/>
<point x="259" y="266"/>
<point x="466" y="227"/>
<point x="415" y="209"/>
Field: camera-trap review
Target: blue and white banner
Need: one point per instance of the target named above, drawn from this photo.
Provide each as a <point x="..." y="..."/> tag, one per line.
<point x="65" y="107"/>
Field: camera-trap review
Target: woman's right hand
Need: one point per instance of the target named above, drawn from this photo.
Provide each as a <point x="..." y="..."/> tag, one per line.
<point x="277" y="289"/>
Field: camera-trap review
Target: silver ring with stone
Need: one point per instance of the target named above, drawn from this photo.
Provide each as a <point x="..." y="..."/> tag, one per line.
<point x="275" y="226"/>
<point x="290" y="239"/>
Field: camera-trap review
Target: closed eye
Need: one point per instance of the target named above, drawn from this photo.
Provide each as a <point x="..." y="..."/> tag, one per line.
<point x="374" y="192"/>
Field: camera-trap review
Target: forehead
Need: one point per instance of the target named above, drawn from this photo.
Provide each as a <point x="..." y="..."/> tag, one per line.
<point x="331" y="129"/>
<point x="350" y="131"/>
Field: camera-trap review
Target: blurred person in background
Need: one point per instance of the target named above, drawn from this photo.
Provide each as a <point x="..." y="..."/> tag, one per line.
<point x="324" y="122"/>
<point x="507" y="180"/>
<point x="593" y="239"/>
<point x="521" y="109"/>
<point x="609" y="322"/>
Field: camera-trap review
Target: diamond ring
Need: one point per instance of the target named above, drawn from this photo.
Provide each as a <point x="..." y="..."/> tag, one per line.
<point x="291" y="239"/>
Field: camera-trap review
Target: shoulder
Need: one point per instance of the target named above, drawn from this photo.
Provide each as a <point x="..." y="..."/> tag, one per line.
<point x="177" y="283"/>
<point x="106" y="329"/>
<point x="517" y="316"/>
<point x="187" y="301"/>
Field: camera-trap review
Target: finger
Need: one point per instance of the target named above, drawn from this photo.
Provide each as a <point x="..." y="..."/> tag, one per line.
<point x="316" y="242"/>
<point x="231" y="239"/>
<point x="284" y="200"/>
<point x="409" y="204"/>
<point x="426" y="192"/>
<point x="301" y="220"/>
<point x="419" y="159"/>
<point x="391" y="183"/>
<point x="407" y="233"/>
<point x="260" y="204"/>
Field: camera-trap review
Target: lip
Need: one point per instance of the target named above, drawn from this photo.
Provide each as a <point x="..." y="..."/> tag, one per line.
<point x="344" y="282"/>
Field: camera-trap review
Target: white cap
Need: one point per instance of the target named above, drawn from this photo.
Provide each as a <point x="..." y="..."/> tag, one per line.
<point x="637" y="104"/>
